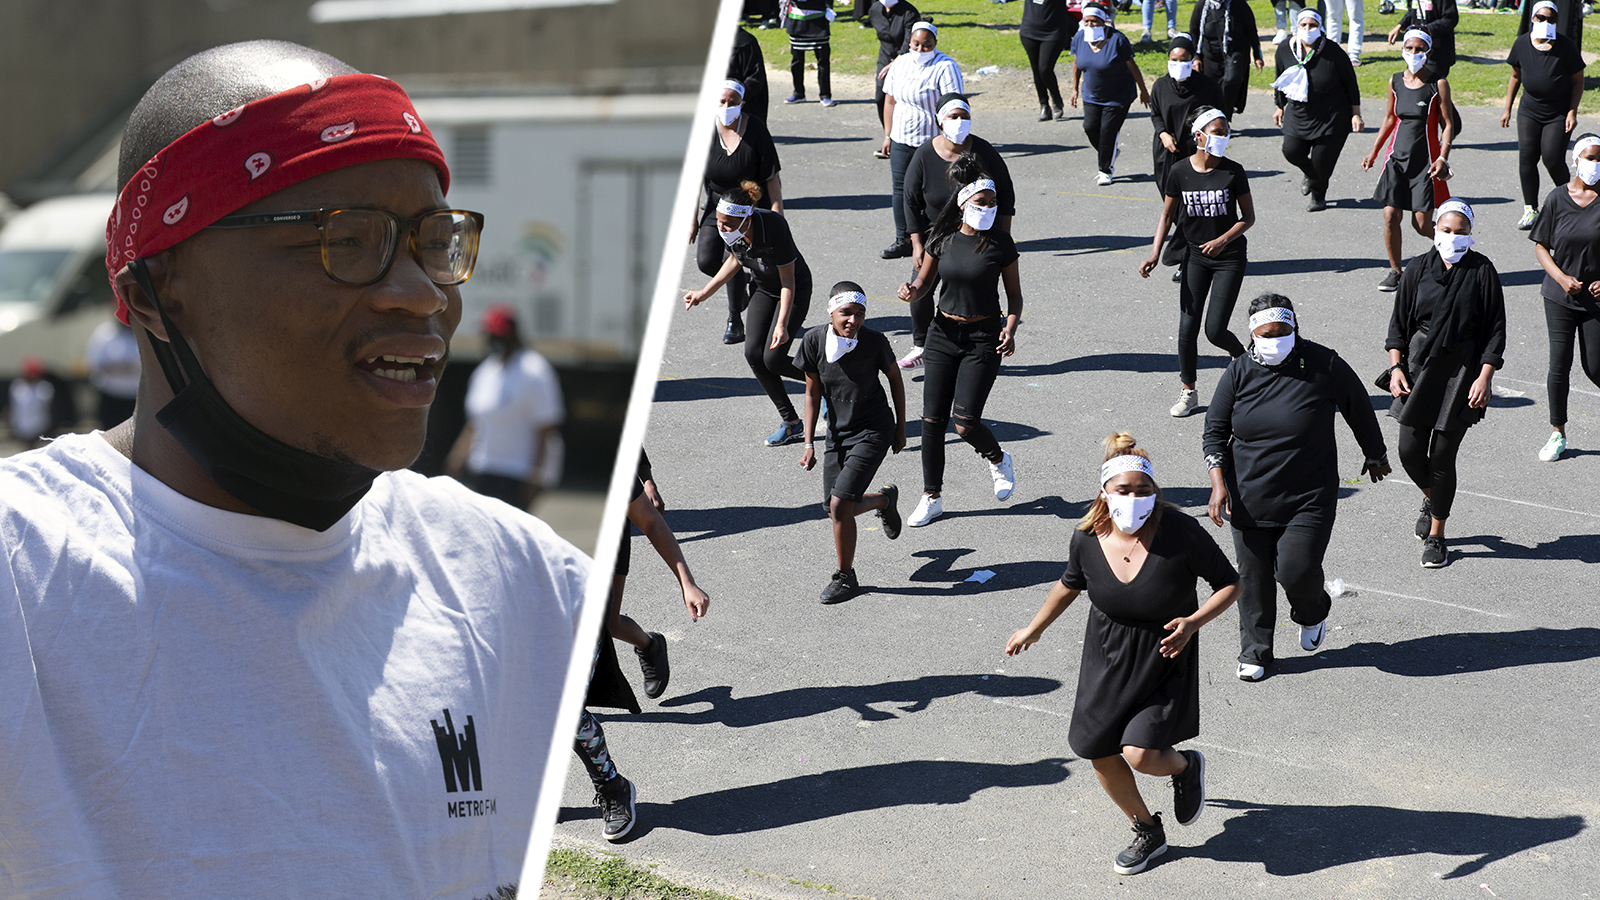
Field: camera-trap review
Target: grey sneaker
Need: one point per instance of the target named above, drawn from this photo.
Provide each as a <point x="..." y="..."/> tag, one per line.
<point x="1187" y="402"/>
<point x="1189" y="789"/>
<point x="1149" y="842"/>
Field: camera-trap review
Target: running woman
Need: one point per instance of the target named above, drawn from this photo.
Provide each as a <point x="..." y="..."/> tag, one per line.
<point x="1548" y="67"/>
<point x="1447" y="337"/>
<point x="842" y="360"/>
<point x="1208" y="195"/>
<point x="1138" y="689"/>
<point x="1415" y="137"/>
<point x="1103" y="67"/>
<point x="761" y="243"/>
<point x="970" y="332"/>
<point x="1319" y="105"/>
<point x="1567" y="244"/>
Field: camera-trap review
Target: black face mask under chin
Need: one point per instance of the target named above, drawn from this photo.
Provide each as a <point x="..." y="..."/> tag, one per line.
<point x="274" y="478"/>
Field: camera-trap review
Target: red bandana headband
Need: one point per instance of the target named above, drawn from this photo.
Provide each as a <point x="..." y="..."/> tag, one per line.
<point x="261" y="148"/>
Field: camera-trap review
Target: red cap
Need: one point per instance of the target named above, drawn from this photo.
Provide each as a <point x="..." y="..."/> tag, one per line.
<point x="32" y="367"/>
<point x="500" y="320"/>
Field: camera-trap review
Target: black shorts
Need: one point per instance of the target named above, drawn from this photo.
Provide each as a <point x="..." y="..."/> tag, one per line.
<point x="848" y="469"/>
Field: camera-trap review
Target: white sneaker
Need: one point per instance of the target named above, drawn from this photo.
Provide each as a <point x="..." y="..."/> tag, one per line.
<point x="911" y="360"/>
<point x="1280" y="37"/>
<point x="1553" y="448"/>
<point x="928" y="509"/>
<point x="1187" y="401"/>
<point x="1311" y="636"/>
<point x="1528" y="215"/>
<point x="1248" y="672"/>
<point x="1102" y="179"/>
<point x="1005" y="478"/>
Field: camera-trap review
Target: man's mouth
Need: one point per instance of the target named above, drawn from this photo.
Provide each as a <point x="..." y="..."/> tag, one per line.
<point x="404" y="369"/>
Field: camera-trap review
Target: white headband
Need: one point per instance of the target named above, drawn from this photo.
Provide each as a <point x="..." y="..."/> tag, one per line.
<point x="1098" y="10"/>
<point x="1207" y="117"/>
<point x="845" y="298"/>
<point x="1308" y="12"/>
<point x="736" y="87"/>
<point x="1271" y="314"/>
<point x="1584" y="142"/>
<point x="1545" y="4"/>
<point x="728" y="207"/>
<point x="1420" y="35"/>
<point x="954" y="104"/>
<point x="925" y="26"/>
<point x="1116" y="465"/>
<point x="965" y="194"/>
<point x="1453" y="206"/>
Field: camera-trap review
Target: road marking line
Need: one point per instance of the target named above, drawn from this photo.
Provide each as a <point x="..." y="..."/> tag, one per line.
<point x="1542" y="384"/>
<point x="1359" y="588"/>
<point x="1576" y="512"/>
<point x="1108" y="196"/>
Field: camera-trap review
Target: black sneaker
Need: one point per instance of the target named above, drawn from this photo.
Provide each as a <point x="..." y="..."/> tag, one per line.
<point x="900" y="249"/>
<point x="653" y="663"/>
<point x="1390" y="282"/>
<point x="842" y="587"/>
<point x="1425" y="519"/>
<point x="1434" y="555"/>
<point x="1316" y="204"/>
<point x="1189" y="789"/>
<point x="734" y="333"/>
<point x="890" y="514"/>
<point x="1149" y="842"/>
<point x="616" y="801"/>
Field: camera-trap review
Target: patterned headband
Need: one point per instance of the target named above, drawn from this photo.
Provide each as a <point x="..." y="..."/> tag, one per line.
<point x="1116" y="465"/>
<point x="982" y="184"/>
<point x="1271" y="314"/>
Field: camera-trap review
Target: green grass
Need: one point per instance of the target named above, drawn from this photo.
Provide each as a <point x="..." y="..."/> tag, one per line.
<point x="613" y="878"/>
<point x="980" y="33"/>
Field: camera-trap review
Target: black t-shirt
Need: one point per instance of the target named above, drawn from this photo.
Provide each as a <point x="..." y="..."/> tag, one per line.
<point x="755" y="159"/>
<point x="1546" y="76"/>
<point x="769" y="248"/>
<point x="928" y="187"/>
<point x="1208" y="202"/>
<point x="856" y="401"/>
<point x="893" y="26"/>
<point x="1572" y="235"/>
<point x="1047" y="20"/>
<point x="1180" y="554"/>
<point x="971" y="276"/>
<point x="1331" y="92"/>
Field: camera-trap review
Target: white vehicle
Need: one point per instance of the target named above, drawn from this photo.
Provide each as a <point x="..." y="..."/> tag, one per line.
<point x="53" y="287"/>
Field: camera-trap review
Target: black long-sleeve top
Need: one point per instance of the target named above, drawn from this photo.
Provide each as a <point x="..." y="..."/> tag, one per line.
<point x="1440" y="21"/>
<point x="893" y="26"/>
<point x="928" y="187"/>
<point x="1226" y="32"/>
<point x="1331" y="92"/>
<point x="1173" y="102"/>
<point x="1462" y="303"/>
<point x="1271" y="431"/>
<point x="747" y="67"/>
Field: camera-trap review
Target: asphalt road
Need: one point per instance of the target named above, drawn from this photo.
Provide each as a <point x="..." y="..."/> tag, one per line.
<point x="1441" y="744"/>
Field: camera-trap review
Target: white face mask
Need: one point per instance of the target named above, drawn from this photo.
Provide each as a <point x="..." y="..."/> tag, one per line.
<point x="1452" y="246"/>
<point x="1414" y="61"/>
<point x="1310" y="36"/>
<point x="1544" y="31"/>
<point x="889" y="4"/>
<point x="1588" y="170"/>
<point x="1128" y="512"/>
<point x="979" y="217"/>
<point x="924" y="56"/>
<point x="1180" y="71"/>
<point x="732" y="238"/>
<point x="957" y="129"/>
<point x="1274" y="350"/>
<point x="1214" y="144"/>
<point x="728" y="115"/>
<point x="1097" y="33"/>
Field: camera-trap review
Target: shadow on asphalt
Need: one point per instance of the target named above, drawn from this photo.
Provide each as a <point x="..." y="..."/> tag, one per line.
<point x="710" y="387"/>
<point x="1296" y="840"/>
<point x="816" y="139"/>
<point x="825" y="795"/>
<point x="911" y="696"/>
<point x="1079" y="244"/>
<point x="1012" y="151"/>
<point x="1456" y="654"/>
<point x="1148" y="363"/>
<point x="721" y="521"/>
<point x="839" y="201"/>
<point x="1576" y="547"/>
<point x="1266" y="268"/>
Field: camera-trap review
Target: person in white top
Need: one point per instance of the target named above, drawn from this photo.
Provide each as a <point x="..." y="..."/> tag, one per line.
<point x="912" y="86"/>
<point x="243" y="652"/>
<point x="30" y="399"/>
<point x="113" y="359"/>
<point x="511" y="448"/>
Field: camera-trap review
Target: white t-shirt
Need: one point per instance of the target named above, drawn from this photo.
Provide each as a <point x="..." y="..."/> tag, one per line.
<point x="30" y="407"/>
<point x="113" y="359"/>
<point x="916" y="88"/>
<point x="198" y="703"/>
<point x="508" y="404"/>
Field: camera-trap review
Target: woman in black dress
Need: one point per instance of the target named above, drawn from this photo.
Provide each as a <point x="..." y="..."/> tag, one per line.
<point x="761" y="243"/>
<point x="1319" y="104"/>
<point x="970" y="332"/>
<point x="1446" y="338"/>
<point x="1139" y="682"/>
<point x="1417" y="131"/>
<point x="1208" y="195"/>
<point x="1047" y="29"/>
<point x="1567" y="245"/>
<point x="1548" y="67"/>
<point x="1274" y="469"/>
<point x="1174" y="99"/>
<point x="928" y="187"/>
<point x="742" y="150"/>
<point x="1224" y="32"/>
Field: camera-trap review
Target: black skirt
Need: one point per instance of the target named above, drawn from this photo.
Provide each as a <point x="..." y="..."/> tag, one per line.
<point x="1129" y="694"/>
<point x="1439" y="389"/>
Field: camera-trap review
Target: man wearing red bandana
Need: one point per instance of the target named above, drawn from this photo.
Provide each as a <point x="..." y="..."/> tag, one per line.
<point x="243" y="652"/>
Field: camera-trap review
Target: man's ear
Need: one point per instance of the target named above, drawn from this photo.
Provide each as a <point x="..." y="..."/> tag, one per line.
<point x="141" y="307"/>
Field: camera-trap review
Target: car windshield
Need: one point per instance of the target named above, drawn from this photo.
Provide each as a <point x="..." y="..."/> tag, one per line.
<point x="27" y="276"/>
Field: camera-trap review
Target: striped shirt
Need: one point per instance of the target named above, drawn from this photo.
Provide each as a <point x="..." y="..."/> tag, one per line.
<point x="916" y="89"/>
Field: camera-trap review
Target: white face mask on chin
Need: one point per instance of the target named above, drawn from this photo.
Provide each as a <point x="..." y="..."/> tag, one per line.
<point x="1096" y="33"/>
<point x="1129" y="512"/>
<point x="1452" y="246"/>
<point x="1274" y="350"/>
<point x="924" y="56"/>
<point x="732" y="238"/>
<point x="979" y="217"/>
<point x="728" y="115"/>
<point x="1588" y="170"/>
<point x="1180" y="71"/>
<point x="957" y="129"/>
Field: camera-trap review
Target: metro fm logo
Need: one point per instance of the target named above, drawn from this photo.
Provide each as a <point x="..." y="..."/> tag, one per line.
<point x="458" y="754"/>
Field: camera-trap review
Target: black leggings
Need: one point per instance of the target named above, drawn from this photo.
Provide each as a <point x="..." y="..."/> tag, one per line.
<point x="1220" y="278"/>
<point x="961" y="362"/>
<point x="1101" y="124"/>
<point x="1537" y="141"/>
<point x="797" y="69"/>
<point x="1429" y="458"/>
<point x="1042" y="56"/>
<point x="1290" y="556"/>
<point x="1315" y="158"/>
<point x="1563" y="322"/>
<point x="709" y="254"/>
<point x="770" y="365"/>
